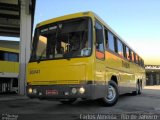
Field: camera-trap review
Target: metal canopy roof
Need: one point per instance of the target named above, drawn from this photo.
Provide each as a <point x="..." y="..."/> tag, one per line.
<point x="10" y="17"/>
<point x="8" y="44"/>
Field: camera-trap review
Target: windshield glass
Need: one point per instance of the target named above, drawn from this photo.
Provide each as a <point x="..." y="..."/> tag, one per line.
<point x="61" y="40"/>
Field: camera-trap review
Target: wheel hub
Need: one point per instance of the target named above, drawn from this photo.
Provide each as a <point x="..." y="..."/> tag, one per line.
<point x="111" y="93"/>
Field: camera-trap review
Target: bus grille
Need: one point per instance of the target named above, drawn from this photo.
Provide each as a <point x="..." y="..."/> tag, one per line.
<point x="55" y="82"/>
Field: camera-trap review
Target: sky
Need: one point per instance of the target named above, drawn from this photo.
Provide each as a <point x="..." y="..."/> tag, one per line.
<point x="136" y="21"/>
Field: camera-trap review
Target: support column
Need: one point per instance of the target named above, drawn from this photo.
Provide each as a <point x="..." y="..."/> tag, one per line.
<point x="25" y="40"/>
<point x="157" y="78"/>
<point x="151" y="79"/>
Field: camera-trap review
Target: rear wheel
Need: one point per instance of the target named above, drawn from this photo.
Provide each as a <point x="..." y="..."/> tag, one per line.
<point x="69" y="101"/>
<point x="138" y="89"/>
<point x="112" y="95"/>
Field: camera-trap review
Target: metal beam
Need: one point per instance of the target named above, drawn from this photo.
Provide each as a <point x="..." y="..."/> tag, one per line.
<point x="6" y="6"/>
<point x="9" y="1"/>
<point x="8" y="34"/>
<point x="10" y="28"/>
<point x="9" y="31"/>
<point x="9" y="22"/>
<point x="9" y="16"/>
<point x="9" y="12"/>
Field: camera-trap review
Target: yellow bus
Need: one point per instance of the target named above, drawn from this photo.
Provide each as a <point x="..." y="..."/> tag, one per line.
<point x="80" y="56"/>
<point x="9" y="68"/>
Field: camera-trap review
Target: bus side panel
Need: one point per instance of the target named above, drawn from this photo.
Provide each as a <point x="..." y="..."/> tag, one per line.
<point x="9" y="69"/>
<point x="115" y="67"/>
<point x="100" y="79"/>
<point x="8" y="76"/>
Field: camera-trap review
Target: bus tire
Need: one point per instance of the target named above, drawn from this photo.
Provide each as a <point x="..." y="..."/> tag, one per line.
<point x="140" y="88"/>
<point x="112" y="94"/>
<point x="136" y="92"/>
<point x="69" y="101"/>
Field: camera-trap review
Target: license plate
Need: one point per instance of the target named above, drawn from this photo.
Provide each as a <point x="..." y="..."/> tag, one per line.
<point x="51" y="92"/>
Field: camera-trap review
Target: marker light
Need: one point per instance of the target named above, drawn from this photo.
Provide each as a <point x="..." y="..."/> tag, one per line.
<point x="81" y="90"/>
<point x="30" y="90"/>
<point x="40" y="93"/>
<point x="74" y="90"/>
<point x="66" y="93"/>
<point x="35" y="91"/>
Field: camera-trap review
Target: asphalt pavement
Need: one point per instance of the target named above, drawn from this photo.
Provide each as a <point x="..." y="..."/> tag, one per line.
<point x="23" y="108"/>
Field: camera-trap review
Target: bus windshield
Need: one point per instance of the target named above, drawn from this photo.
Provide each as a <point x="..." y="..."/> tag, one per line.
<point x="61" y="40"/>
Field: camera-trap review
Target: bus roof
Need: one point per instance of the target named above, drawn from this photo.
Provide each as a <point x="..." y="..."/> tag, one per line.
<point x="82" y="14"/>
<point x="66" y="17"/>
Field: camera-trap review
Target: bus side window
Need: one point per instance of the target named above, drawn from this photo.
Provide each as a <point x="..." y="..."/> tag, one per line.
<point x="142" y="63"/>
<point x="139" y="61"/>
<point x="124" y="51"/>
<point x="133" y="56"/>
<point x="135" y="60"/>
<point x="12" y="57"/>
<point x="111" y="41"/>
<point x="99" y="41"/>
<point x="128" y="54"/>
<point x="115" y="45"/>
<point x="120" y="48"/>
<point x="106" y="38"/>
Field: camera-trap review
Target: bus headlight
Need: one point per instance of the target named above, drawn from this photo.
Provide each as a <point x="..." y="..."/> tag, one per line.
<point x="74" y="90"/>
<point x="35" y="91"/>
<point x="81" y="90"/>
<point x="30" y="90"/>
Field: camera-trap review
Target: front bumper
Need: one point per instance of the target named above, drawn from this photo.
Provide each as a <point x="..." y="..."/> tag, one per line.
<point x="60" y="91"/>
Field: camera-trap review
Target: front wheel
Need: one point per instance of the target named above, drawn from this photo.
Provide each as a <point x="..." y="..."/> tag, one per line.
<point x="112" y="95"/>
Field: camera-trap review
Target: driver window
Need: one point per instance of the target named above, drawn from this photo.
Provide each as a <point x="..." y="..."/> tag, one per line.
<point x="99" y="41"/>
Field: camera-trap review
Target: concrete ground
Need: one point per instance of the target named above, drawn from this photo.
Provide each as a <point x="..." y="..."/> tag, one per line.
<point x="147" y="102"/>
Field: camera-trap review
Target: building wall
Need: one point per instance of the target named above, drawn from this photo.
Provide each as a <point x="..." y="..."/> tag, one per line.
<point x="153" y="77"/>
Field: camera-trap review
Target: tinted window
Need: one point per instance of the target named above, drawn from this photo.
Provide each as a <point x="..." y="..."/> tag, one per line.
<point x="13" y="57"/>
<point x="106" y="37"/>
<point x="99" y="38"/>
<point x="124" y="51"/>
<point x="120" y="48"/>
<point x="61" y="40"/>
<point x="137" y="59"/>
<point x="115" y="45"/>
<point x="142" y="63"/>
<point x="128" y="54"/>
<point x="1" y="55"/>
<point x="132" y="56"/>
<point x="7" y="56"/>
<point x="111" y="41"/>
<point x="99" y="41"/>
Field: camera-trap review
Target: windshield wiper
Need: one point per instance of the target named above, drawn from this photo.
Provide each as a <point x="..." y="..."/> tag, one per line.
<point x="39" y="60"/>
